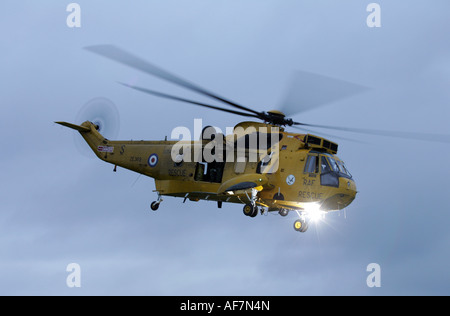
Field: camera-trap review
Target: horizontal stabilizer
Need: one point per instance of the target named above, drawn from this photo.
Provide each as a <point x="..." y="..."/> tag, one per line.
<point x="73" y="126"/>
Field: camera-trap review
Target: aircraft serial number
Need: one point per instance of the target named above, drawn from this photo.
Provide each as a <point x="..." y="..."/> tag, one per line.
<point x="177" y="172"/>
<point x="136" y="159"/>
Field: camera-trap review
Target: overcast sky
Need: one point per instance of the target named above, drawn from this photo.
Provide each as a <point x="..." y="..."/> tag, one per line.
<point x="60" y="206"/>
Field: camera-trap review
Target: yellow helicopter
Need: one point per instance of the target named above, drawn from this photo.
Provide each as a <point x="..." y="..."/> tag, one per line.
<point x="260" y="164"/>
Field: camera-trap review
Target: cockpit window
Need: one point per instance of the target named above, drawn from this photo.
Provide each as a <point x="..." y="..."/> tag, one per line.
<point x="324" y="167"/>
<point x="312" y="165"/>
<point x="338" y="167"/>
<point x="334" y="165"/>
<point x="343" y="168"/>
<point x="326" y="163"/>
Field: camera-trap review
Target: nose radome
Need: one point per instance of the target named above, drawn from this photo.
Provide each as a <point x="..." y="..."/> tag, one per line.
<point x="348" y="187"/>
<point x="351" y="187"/>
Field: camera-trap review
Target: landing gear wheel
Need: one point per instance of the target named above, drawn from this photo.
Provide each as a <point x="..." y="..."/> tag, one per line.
<point x="250" y="210"/>
<point x="283" y="212"/>
<point x="300" y="226"/>
<point x="154" y="206"/>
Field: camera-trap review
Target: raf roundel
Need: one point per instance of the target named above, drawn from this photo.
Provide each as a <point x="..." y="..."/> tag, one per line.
<point x="153" y="160"/>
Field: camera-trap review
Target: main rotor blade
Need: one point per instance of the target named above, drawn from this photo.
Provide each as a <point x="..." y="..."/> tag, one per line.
<point x="171" y="97"/>
<point x="440" y="138"/>
<point x="121" y="56"/>
<point x="328" y="135"/>
<point x="308" y="91"/>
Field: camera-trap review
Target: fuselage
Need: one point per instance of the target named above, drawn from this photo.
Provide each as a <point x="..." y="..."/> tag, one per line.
<point x="292" y="172"/>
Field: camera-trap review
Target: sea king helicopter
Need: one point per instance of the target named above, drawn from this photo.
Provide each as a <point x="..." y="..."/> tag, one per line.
<point x="260" y="165"/>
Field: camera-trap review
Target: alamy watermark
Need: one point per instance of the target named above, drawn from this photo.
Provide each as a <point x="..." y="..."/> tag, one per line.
<point x="374" y="18"/>
<point x="253" y="143"/>
<point x="74" y="18"/>
<point x="74" y="277"/>
<point x="374" y="278"/>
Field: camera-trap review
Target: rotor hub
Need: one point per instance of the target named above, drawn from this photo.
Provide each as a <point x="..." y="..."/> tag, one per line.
<point x="276" y="117"/>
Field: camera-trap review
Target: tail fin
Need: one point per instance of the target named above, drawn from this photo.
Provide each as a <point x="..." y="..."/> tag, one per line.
<point x="75" y="127"/>
<point x="98" y="143"/>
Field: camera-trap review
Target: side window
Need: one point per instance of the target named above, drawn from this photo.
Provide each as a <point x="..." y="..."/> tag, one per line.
<point x="311" y="165"/>
<point x="324" y="167"/>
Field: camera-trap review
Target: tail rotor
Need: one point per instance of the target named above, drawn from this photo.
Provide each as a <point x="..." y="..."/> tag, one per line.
<point x="103" y="113"/>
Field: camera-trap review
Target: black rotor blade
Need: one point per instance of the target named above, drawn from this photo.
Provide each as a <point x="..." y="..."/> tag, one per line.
<point x="308" y="91"/>
<point x="122" y="56"/>
<point x="171" y="97"/>
<point x="441" y="138"/>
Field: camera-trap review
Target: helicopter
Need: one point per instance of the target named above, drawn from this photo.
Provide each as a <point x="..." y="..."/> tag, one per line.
<point x="260" y="165"/>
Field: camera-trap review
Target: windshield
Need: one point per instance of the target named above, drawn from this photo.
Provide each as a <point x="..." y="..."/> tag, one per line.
<point x="343" y="168"/>
<point x="339" y="167"/>
<point x="334" y="165"/>
<point x="326" y="163"/>
<point x="329" y="163"/>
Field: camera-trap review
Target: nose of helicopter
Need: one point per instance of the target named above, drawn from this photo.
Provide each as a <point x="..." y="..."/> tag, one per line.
<point x="348" y="189"/>
<point x="343" y="197"/>
<point x="348" y="184"/>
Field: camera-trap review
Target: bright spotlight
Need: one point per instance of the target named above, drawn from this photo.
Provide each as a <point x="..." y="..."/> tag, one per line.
<point x="313" y="212"/>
